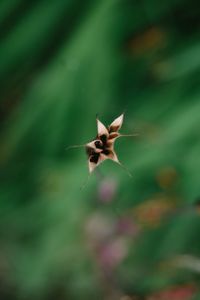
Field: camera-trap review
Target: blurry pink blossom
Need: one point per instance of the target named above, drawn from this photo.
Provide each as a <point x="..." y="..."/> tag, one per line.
<point x="127" y="226"/>
<point x="112" y="253"/>
<point x="107" y="190"/>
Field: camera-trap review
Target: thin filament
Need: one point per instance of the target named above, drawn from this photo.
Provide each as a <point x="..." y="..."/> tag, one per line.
<point x="126" y="170"/>
<point x="134" y="134"/>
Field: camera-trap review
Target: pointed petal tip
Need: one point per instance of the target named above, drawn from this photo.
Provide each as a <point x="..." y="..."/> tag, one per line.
<point x="117" y="123"/>
<point x="91" y="167"/>
<point x="101" y="128"/>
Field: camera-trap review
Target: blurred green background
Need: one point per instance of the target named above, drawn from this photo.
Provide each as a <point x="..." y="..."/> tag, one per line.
<point x="61" y="62"/>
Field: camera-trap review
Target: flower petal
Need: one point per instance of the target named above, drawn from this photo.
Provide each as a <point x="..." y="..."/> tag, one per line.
<point x="116" y="124"/>
<point x="95" y="160"/>
<point x="91" y="166"/>
<point x="113" y="156"/>
<point x="101" y="128"/>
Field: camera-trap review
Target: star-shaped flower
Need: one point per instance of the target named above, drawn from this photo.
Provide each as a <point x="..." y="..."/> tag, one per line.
<point x="102" y="147"/>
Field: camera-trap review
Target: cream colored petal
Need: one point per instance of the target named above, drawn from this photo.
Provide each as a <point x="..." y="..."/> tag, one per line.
<point x="101" y="128"/>
<point x="91" y="166"/>
<point x="113" y="156"/>
<point x="117" y="123"/>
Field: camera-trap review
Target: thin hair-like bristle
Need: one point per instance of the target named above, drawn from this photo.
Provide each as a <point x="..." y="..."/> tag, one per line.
<point x="127" y="135"/>
<point x="125" y="169"/>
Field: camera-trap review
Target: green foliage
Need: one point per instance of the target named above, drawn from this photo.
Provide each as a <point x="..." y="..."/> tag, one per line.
<point x="61" y="62"/>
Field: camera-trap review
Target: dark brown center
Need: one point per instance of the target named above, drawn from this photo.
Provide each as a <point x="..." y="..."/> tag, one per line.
<point x="94" y="158"/>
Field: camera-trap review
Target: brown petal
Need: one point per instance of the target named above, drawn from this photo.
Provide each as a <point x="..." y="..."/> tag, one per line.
<point x="113" y="135"/>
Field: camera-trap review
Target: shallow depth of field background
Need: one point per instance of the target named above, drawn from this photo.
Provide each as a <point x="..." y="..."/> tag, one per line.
<point x="119" y="238"/>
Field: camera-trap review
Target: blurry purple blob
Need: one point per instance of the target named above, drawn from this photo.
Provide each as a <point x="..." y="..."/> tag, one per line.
<point x="107" y="190"/>
<point x="126" y="226"/>
<point x="112" y="253"/>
